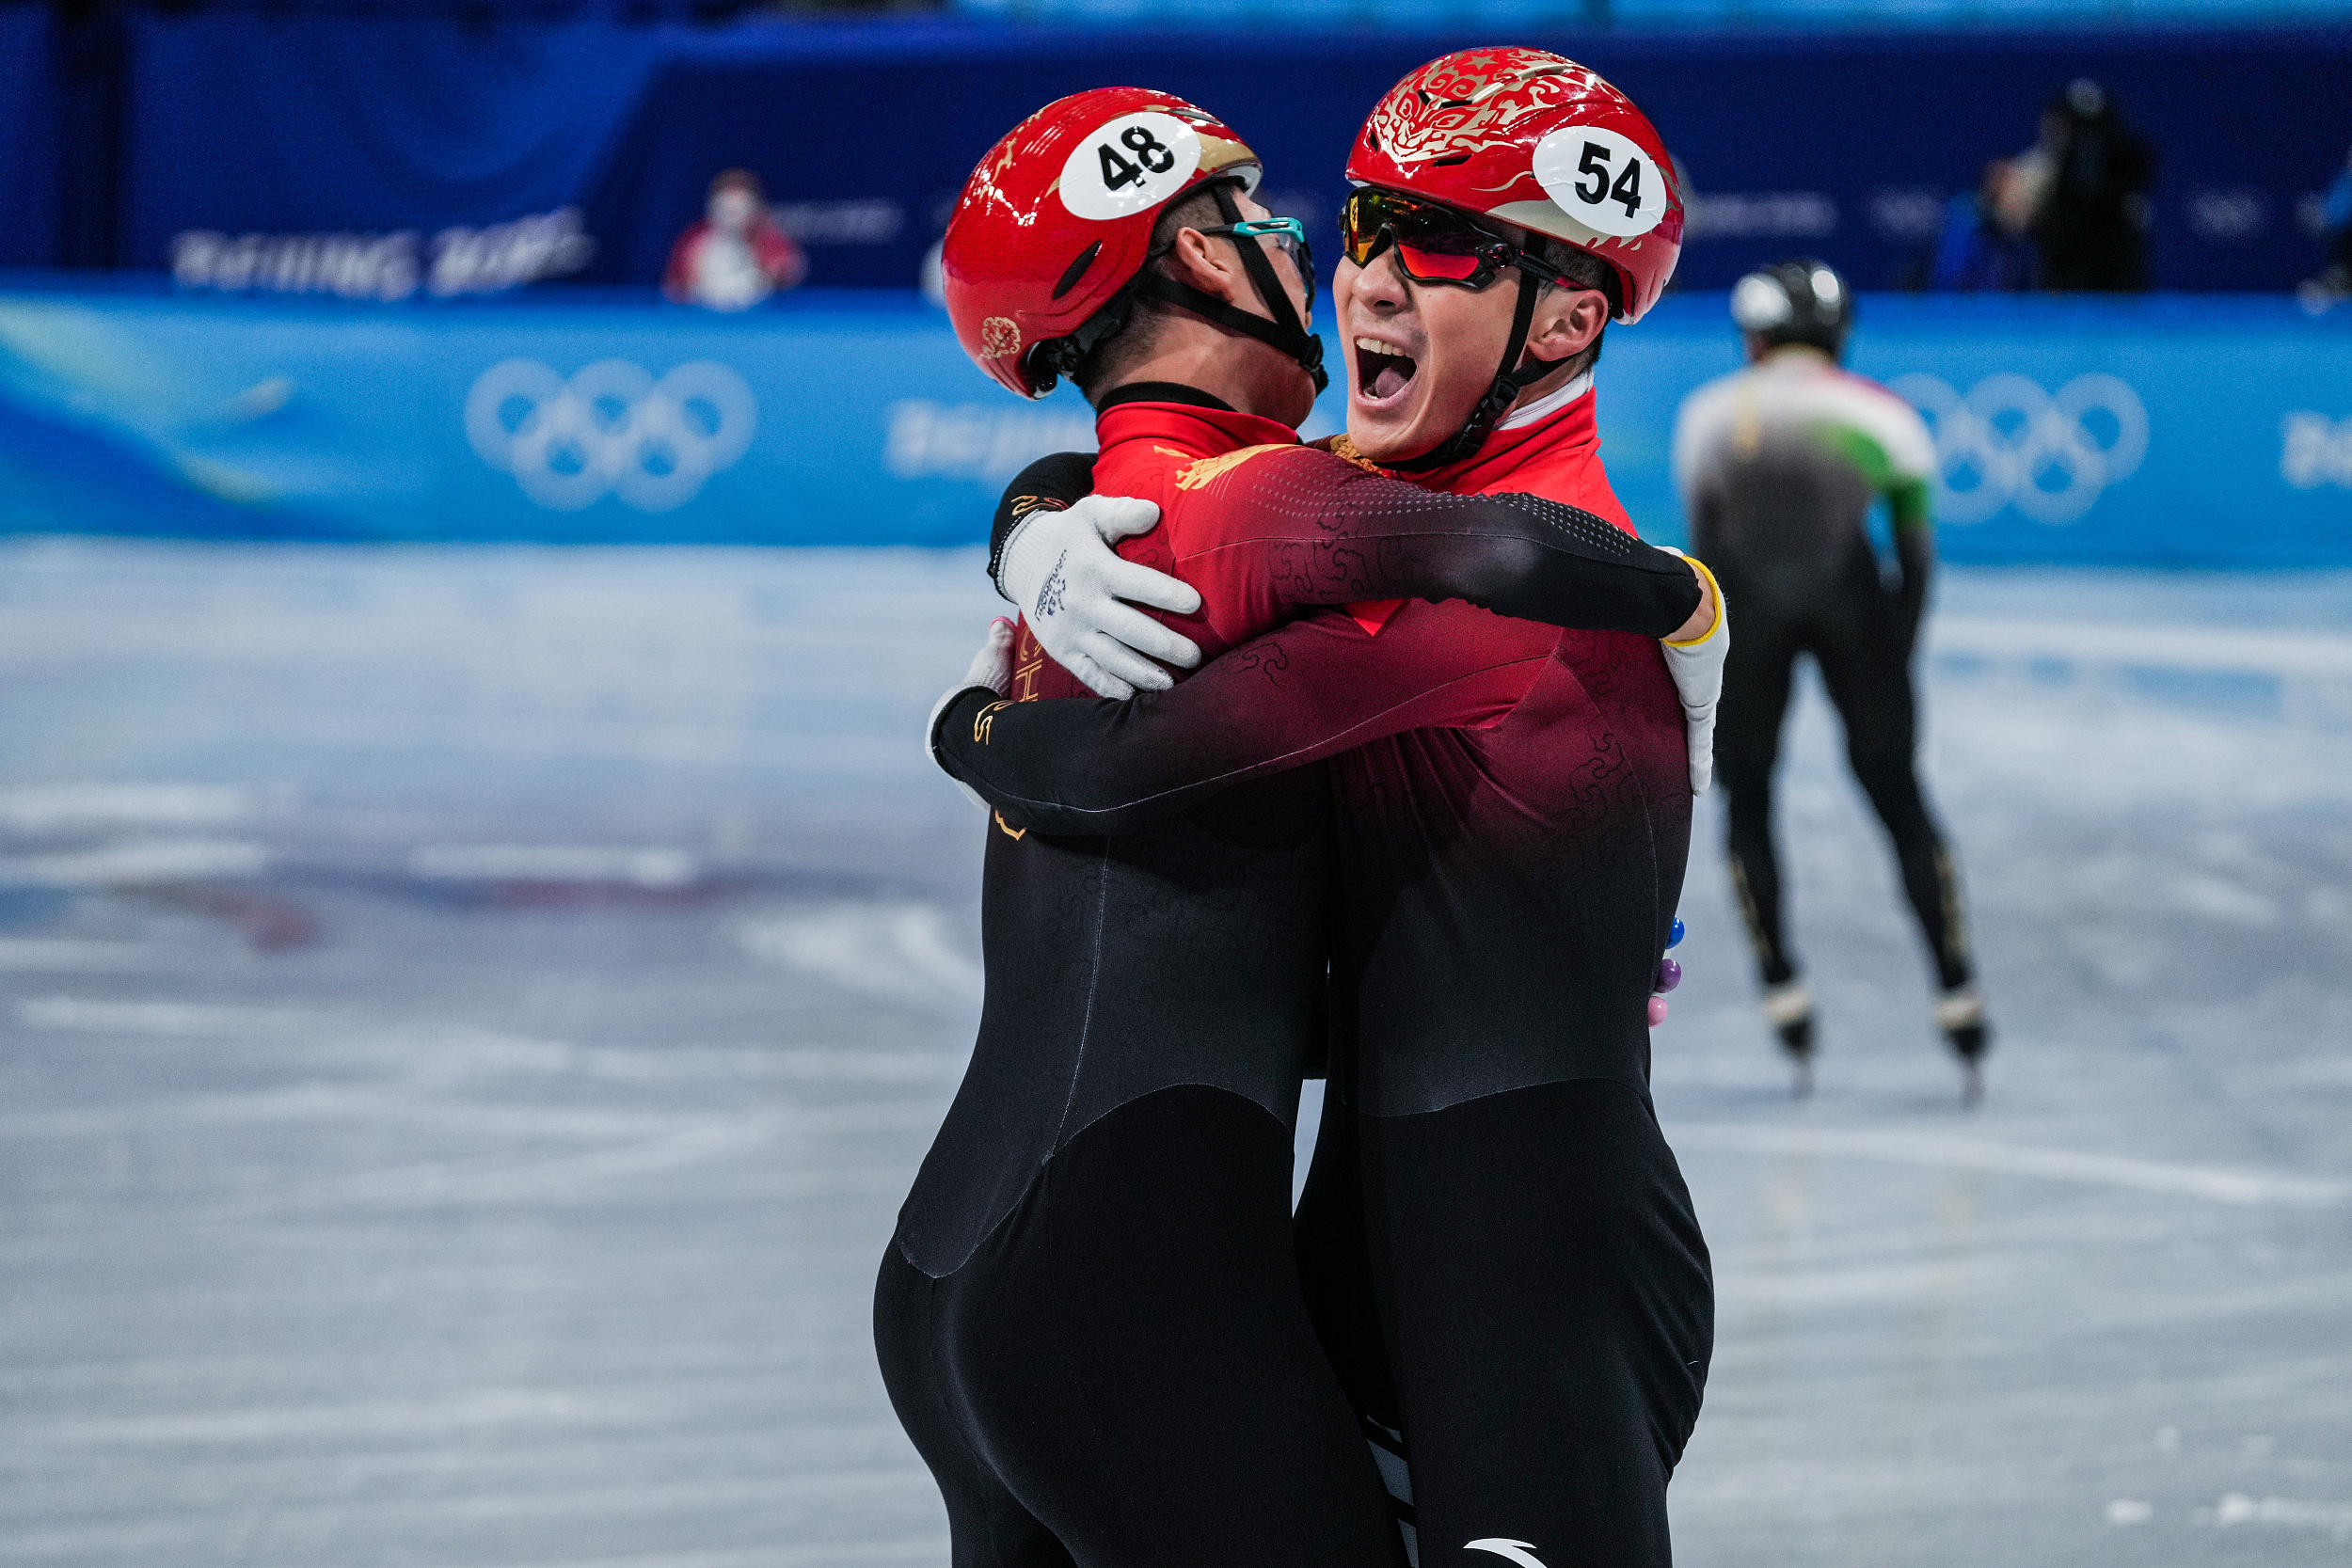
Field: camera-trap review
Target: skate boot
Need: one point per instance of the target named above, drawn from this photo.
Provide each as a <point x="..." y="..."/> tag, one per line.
<point x="1960" y="1015"/>
<point x="1789" y="1007"/>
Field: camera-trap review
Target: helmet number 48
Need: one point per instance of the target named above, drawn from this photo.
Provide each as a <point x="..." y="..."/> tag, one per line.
<point x="1128" y="165"/>
<point x="1151" y="157"/>
<point x="1602" y="178"/>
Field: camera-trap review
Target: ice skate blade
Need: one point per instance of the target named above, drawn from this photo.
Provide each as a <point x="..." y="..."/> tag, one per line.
<point x="1970" y="1042"/>
<point x="1800" y="1078"/>
<point x="1971" y="1085"/>
<point x="1796" y="1037"/>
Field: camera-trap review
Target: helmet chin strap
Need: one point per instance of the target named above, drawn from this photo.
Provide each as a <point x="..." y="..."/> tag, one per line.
<point x="1510" y="380"/>
<point x="1285" y="333"/>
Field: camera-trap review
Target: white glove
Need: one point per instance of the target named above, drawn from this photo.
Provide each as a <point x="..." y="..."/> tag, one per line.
<point x="1059" y="569"/>
<point x="991" y="667"/>
<point x="1697" y="669"/>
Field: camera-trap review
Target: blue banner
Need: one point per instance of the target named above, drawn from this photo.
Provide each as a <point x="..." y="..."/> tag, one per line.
<point x="2171" y="430"/>
<point x="272" y="138"/>
<point x="2179" y="431"/>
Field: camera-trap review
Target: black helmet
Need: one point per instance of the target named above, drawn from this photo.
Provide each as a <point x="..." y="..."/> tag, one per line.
<point x="1801" y="301"/>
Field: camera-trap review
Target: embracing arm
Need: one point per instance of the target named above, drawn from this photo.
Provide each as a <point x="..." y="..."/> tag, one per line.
<point x="1048" y="484"/>
<point x="1299" y="693"/>
<point x="1321" y="531"/>
<point x="1300" y="528"/>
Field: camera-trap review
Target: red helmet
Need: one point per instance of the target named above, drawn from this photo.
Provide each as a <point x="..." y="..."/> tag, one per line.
<point x="1056" y="220"/>
<point x="1531" y="138"/>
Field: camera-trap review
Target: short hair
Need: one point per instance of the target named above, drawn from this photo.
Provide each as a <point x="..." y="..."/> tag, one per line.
<point x="735" y="180"/>
<point x="1112" y="358"/>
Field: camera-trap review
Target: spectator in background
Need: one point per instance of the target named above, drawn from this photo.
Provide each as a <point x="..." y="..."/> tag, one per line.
<point x="1984" y="247"/>
<point x="2091" y="222"/>
<point x="735" y="256"/>
<point x="2334" y="283"/>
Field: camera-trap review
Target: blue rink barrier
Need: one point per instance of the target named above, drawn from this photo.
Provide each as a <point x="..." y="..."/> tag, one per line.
<point x="2180" y="430"/>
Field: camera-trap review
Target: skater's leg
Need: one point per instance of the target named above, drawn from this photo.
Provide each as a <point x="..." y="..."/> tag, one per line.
<point x="1929" y="879"/>
<point x="987" y="1527"/>
<point x="1335" y="1276"/>
<point x="1757" y="677"/>
<point x="1547" y="1295"/>
<point x="1139" y="1362"/>
<point x="1335" y="1267"/>
<point x="1869" y="679"/>
<point x="1864" y="658"/>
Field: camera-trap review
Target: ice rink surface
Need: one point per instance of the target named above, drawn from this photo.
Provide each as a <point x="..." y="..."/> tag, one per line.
<point x="471" y="1016"/>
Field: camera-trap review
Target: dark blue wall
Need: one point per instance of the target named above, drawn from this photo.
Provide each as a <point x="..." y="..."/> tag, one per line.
<point x="284" y="123"/>
<point x="2242" y="122"/>
<point x="29" y="114"/>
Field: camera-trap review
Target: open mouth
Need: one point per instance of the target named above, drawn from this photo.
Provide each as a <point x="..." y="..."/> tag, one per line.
<point x="1381" y="371"/>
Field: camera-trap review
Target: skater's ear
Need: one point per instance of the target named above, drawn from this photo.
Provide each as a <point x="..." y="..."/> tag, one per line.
<point x="1567" y="322"/>
<point x="1215" y="270"/>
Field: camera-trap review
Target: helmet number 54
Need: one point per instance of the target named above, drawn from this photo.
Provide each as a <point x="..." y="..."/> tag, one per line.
<point x="1602" y="178"/>
<point x="1626" y="193"/>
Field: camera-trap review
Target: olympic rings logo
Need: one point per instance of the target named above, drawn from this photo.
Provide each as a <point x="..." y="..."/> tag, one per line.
<point x="2010" y="443"/>
<point x="610" y="429"/>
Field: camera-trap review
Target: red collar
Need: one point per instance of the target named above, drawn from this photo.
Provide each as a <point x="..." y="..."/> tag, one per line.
<point x="1205" y="431"/>
<point x="1570" y="432"/>
<point x="1558" y="458"/>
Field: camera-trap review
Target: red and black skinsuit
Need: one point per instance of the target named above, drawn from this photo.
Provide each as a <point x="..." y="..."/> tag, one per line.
<point x="1497" y="1247"/>
<point x="1090" y="1318"/>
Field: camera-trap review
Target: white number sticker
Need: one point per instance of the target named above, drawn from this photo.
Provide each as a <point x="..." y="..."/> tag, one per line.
<point x="1134" y="162"/>
<point x="1602" y="180"/>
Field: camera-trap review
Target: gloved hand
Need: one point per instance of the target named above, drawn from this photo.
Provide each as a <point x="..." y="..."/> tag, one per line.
<point x="1059" y="569"/>
<point x="991" y="667"/>
<point x="1697" y="667"/>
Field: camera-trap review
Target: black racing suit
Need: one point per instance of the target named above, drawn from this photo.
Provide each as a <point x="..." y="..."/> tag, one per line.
<point x="1091" y="1319"/>
<point x="1497" y="1246"/>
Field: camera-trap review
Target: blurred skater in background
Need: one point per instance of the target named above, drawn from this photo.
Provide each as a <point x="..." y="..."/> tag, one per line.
<point x="735" y="256"/>
<point x="1778" y="466"/>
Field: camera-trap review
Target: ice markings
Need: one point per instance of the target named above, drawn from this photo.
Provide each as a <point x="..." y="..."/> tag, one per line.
<point x="2214" y="1185"/>
<point x="899" y="951"/>
<point x="176" y="1019"/>
<point x="481" y="1182"/>
<point x="22" y="955"/>
<point x="2304" y="678"/>
<point x="2193" y="893"/>
<point x="153" y="805"/>
<point x="653" y="870"/>
<point x="2236" y="1507"/>
<point x="2129" y="1511"/>
<point x="467" y="1412"/>
<point x="138" y="862"/>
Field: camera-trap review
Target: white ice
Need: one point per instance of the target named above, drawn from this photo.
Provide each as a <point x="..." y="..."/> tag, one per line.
<point x="467" y="1018"/>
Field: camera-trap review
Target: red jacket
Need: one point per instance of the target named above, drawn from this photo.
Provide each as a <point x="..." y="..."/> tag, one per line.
<point x="775" y="251"/>
<point x="1515" y="799"/>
